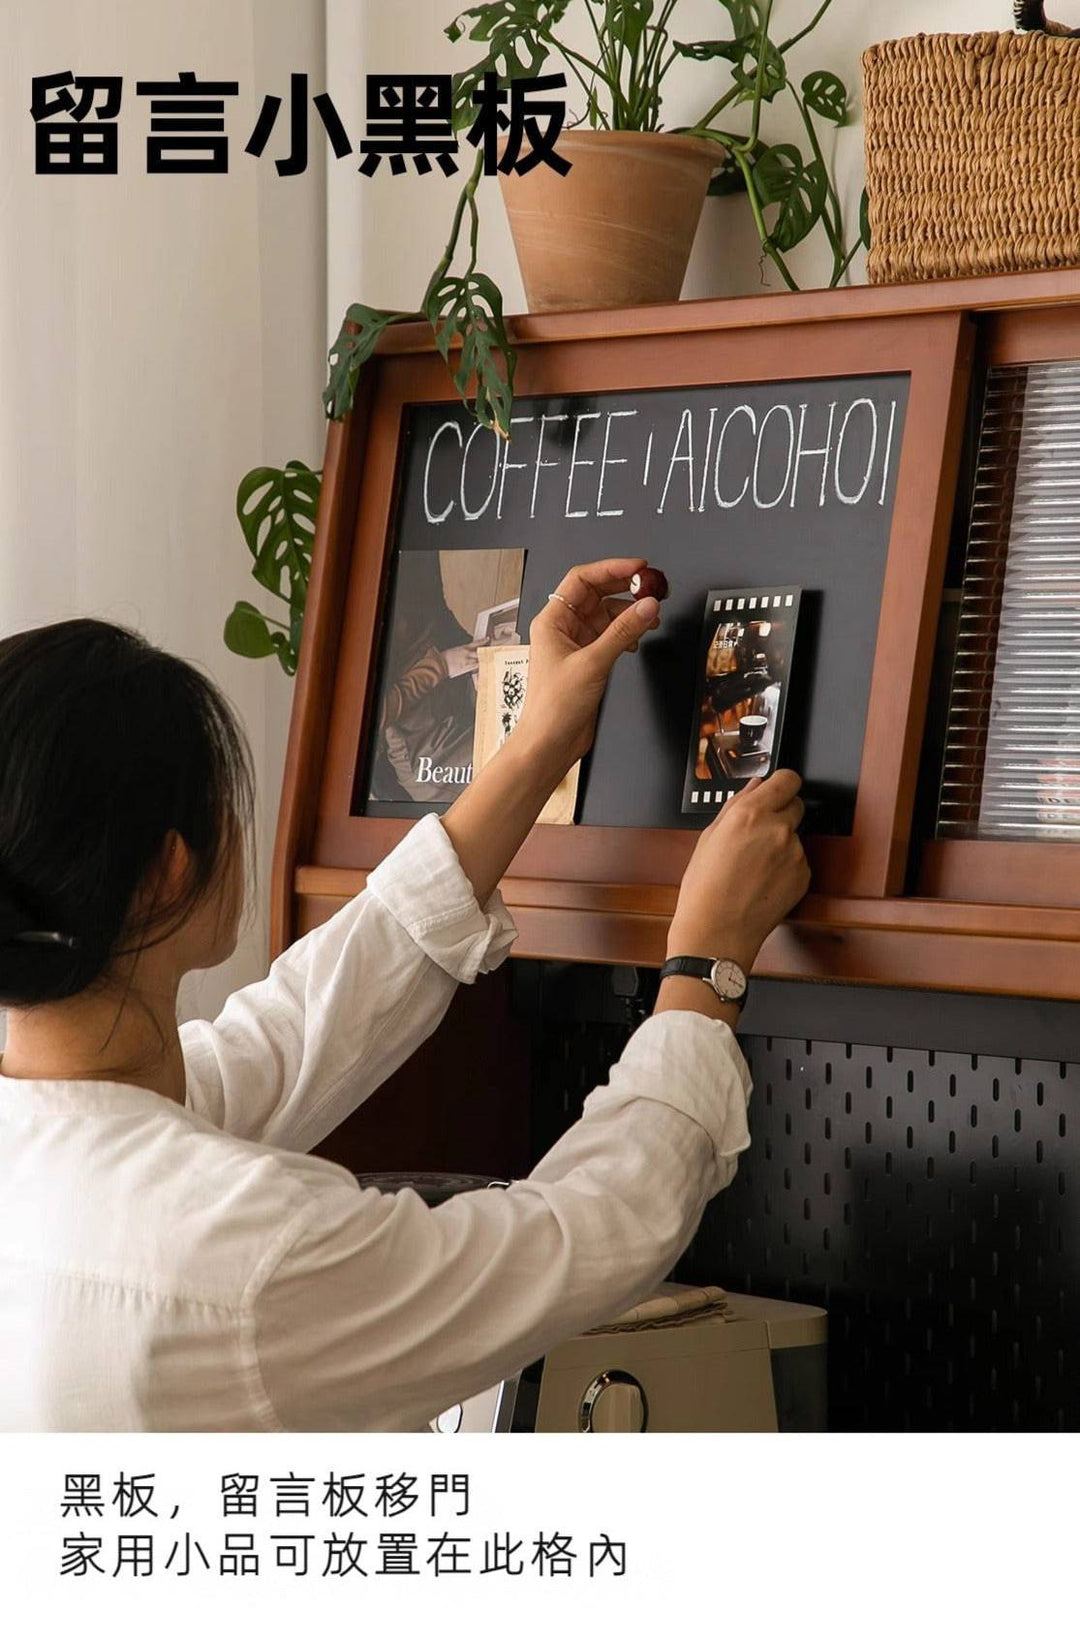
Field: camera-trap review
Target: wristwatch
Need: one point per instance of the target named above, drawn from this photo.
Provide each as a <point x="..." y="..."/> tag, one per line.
<point x="725" y="977"/>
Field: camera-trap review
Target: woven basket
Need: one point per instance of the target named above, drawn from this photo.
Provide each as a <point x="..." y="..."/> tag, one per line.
<point x="972" y="155"/>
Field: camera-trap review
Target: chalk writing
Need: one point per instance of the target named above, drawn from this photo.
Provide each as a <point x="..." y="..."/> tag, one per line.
<point x="589" y="464"/>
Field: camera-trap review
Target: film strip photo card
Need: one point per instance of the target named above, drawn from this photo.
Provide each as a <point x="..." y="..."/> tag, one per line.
<point x="741" y="687"/>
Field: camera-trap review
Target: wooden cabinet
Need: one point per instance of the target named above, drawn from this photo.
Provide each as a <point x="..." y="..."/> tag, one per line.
<point x="899" y="897"/>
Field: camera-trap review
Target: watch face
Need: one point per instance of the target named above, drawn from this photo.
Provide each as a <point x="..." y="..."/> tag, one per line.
<point x="729" y="981"/>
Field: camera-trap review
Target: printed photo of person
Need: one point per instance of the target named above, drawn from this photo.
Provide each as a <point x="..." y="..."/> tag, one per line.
<point x="444" y="607"/>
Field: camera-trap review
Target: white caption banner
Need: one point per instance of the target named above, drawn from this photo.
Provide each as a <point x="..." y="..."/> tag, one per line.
<point x="742" y="1535"/>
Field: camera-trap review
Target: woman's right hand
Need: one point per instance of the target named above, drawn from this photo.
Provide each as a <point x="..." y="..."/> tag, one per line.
<point x="573" y="644"/>
<point x="746" y="873"/>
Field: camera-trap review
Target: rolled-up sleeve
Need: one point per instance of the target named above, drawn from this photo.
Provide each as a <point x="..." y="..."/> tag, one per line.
<point x="426" y="892"/>
<point x="383" y="1310"/>
<point x="288" y="1058"/>
<point x="691" y="1064"/>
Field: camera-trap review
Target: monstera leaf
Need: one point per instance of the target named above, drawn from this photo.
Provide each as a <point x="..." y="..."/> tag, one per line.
<point x="747" y="20"/>
<point x="356" y="342"/>
<point x="470" y="307"/>
<point x="628" y="20"/>
<point x="782" y="177"/>
<point x="706" y="51"/>
<point x="747" y="16"/>
<point x="276" y="508"/>
<point x="826" y="94"/>
<point x="773" y="77"/>
<point x="248" y="633"/>
<point x="742" y="55"/>
<point x="517" y="34"/>
<point x="749" y="39"/>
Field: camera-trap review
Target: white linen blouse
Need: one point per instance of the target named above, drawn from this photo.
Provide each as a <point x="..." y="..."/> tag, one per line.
<point x="167" y="1267"/>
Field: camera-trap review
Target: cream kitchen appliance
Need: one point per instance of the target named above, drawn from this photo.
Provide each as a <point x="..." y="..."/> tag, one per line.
<point x="688" y="1359"/>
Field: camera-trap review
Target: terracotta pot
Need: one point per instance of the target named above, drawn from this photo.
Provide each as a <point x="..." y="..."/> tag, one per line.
<point x="617" y="230"/>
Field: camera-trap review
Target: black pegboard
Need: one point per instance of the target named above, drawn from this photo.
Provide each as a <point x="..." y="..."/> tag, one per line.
<point x="929" y="1202"/>
<point x="929" y="1199"/>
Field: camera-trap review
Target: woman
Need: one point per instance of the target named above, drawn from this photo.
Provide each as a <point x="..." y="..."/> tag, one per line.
<point x="170" y="1258"/>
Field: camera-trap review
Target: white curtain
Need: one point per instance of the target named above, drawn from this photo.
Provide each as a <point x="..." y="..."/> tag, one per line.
<point x="159" y="335"/>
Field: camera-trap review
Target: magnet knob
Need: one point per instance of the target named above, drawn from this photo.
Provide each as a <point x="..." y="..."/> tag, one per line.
<point x="649" y="583"/>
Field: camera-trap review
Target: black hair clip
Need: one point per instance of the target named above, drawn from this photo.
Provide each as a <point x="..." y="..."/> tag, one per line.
<point x="36" y="936"/>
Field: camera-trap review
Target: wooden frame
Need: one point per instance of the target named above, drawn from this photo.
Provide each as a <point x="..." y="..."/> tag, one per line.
<point x="932" y="350"/>
<point x="606" y="897"/>
<point x="991" y="871"/>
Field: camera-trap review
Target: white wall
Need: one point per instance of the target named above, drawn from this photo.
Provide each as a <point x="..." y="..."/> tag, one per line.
<point x="159" y="335"/>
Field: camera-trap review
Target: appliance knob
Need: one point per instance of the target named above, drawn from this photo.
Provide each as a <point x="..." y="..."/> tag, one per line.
<point x="614" y="1403"/>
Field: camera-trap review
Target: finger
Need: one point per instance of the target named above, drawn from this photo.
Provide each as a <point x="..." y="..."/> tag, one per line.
<point x="570" y="623"/>
<point x="624" y="632"/>
<point x="598" y="620"/>
<point x="744" y="791"/>
<point x="606" y="612"/>
<point x="793" y="815"/>
<point x="735" y="799"/>
<point x="779" y="789"/>
<point x="592" y="623"/>
<point x="761" y="807"/>
<point x="587" y="584"/>
<point x="633" y="649"/>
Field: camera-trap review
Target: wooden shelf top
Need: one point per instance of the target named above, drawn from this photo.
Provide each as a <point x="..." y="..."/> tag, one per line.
<point x="990" y="293"/>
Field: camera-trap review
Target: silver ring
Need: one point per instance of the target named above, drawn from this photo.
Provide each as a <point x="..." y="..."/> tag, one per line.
<point x="563" y="600"/>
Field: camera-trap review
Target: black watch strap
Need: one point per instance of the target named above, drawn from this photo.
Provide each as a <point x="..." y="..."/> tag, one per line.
<point x="705" y="968"/>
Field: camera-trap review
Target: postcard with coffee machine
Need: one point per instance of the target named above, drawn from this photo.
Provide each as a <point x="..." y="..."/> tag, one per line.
<point x="741" y="683"/>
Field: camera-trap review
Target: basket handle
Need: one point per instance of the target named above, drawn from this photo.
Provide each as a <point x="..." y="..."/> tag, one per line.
<point x="1030" y="16"/>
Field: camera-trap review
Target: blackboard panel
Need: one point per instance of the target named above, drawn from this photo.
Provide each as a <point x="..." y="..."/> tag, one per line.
<point x="764" y="484"/>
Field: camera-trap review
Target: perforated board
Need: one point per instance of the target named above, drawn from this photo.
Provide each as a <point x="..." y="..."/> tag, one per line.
<point x="929" y="1200"/>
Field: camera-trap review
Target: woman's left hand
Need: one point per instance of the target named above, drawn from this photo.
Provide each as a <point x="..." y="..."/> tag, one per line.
<point x="574" y="643"/>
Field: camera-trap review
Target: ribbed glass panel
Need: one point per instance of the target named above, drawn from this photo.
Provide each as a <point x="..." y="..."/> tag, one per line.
<point x="1012" y="754"/>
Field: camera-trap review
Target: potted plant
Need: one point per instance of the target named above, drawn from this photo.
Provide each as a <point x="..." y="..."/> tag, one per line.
<point x="617" y="228"/>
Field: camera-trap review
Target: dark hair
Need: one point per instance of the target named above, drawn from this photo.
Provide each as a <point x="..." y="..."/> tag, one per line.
<point x="106" y="746"/>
